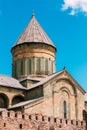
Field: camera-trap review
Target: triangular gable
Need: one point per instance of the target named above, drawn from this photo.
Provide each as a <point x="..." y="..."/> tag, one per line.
<point x="64" y="74"/>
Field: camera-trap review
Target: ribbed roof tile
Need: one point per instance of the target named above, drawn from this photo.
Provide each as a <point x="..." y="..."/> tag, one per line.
<point x="34" y="33"/>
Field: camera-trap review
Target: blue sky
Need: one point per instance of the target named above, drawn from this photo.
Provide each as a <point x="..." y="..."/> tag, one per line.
<point x="65" y="22"/>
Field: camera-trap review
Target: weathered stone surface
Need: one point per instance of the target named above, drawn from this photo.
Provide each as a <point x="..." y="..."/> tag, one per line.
<point x="36" y="123"/>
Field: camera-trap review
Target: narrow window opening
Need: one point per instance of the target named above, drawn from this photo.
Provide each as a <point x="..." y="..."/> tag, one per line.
<point x="36" y="117"/>
<point x="29" y="116"/>
<point x="49" y="119"/>
<point x="65" y="109"/>
<point x="55" y="120"/>
<point x="15" y="114"/>
<point x="71" y="121"/>
<point x="42" y="118"/>
<point x="0" y="113"/>
<point x="76" y="122"/>
<point x="66" y="121"/>
<point x="4" y="124"/>
<point x="20" y="126"/>
<point x="23" y="116"/>
<point x="8" y="114"/>
<point x="81" y="123"/>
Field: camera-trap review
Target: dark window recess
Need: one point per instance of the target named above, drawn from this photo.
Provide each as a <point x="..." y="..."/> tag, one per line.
<point x="15" y="114"/>
<point x="8" y="114"/>
<point x="66" y="121"/>
<point x="42" y="118"/>
<point x="23" y="116"/>
<point x="81" y="123"/>
<point x="71" y="121"/>
<point x="49" y="119"/>
<point x="55" y="120"/>
<point x="4" y="124"/>
<point x="36" y="117"/>
<point x="84" y="115"/>
<point x="29" y="116"/>
<point x="0" y="113"/>
<point x="65" y="109"/>
<point x="76" y="122"/>
<point x="20" y="126"/>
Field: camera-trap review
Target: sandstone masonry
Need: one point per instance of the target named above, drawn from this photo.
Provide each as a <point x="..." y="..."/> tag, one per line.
<point x="9" y="120"/>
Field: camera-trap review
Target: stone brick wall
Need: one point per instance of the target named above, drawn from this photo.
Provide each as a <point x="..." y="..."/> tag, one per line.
<point x="54" y="94"/>
<point x="18" y="121"/>
<point x="33" y="50"/>
<point x="30" y="59"/>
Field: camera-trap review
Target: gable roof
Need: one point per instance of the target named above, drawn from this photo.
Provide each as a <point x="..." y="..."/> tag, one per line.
<point x="30" y="78"/>
<point x="45" y="80"/>
<point x="50" y="77"/>
<point x="25" y="103"/>
<point x="8" y="81"/>
<point x="34" y="33"/>
<point x="75" y="82"/>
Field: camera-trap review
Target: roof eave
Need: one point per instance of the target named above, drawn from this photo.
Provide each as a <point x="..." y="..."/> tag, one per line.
<point x="13" y="87"/>
<point x="23" y="43"/>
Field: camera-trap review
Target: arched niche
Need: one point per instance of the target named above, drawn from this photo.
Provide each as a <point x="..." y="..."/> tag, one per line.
<point x="68" y="81"/>
<point x="17" y="99"/>
<point x="4" y="101"/>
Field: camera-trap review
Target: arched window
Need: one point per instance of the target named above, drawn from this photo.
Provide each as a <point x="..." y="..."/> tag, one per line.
<point x="65" y="109"/>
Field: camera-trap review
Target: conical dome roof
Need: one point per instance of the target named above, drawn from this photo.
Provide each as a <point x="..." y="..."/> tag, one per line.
<point x="34" y="33"/>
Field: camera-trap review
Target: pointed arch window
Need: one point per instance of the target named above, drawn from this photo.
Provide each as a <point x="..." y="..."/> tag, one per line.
<point x="65" y="109"/>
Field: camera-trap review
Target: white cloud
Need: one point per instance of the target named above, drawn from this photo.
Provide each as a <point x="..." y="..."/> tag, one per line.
<point x="75" y="6"/>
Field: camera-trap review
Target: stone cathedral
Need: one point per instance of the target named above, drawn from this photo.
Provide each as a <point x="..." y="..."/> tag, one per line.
<point x="35" y="86"/>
